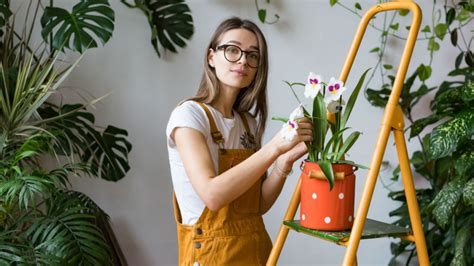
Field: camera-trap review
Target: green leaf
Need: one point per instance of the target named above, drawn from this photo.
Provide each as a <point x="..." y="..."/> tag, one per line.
<point x="420" y="124"/>
<point x="433" y="45"/>
<point x="326" y="167"/>
<point x="468" y="58"/>
<point x="359" y="166"/>
<point x="424" y="72"/>
<point x="22" y="191"/>
<point x="73" y="29"/>
<point x="395" y="173"/>
<point x="403" y="12"/>
<point x="426" y="29"/>
<point x="378" y="97"/>
<point x="262" y="14"/>
<point x="346" y="146"/>
<point x="466" y="92"/>
<point x="5" y="12"/>
<point x="468" y="192"/>
<point x="374" y="50"/>
<point x="450" y="16"/>
<point x="170" y="22"/>
<point x="333" y="2"/>
<point x="461" y="244"/>
<point x="460" y="72"/>
<point x="387" y="66"/>
<point x="357" y="6"/>
<point x="443" y="205"/>
<point x="458" y="60"/>
<point x="395" y="26"/>
<point x="320" y="123"/>
<point x="331" y="142"/>
<point x="454" y="37"/>
<point x="463" y="15"/>
<point x="352" y="99"/>
<point x="445" y="138"/>
<point x="281" y="119"/>
<point x="464" y="162"/>
<point x="440" y="30"/>
<point x="105" y="152"/>
<point x="68" y="233"/>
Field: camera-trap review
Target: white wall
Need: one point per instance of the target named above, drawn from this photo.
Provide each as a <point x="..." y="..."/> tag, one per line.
<point x="310" y="36"/>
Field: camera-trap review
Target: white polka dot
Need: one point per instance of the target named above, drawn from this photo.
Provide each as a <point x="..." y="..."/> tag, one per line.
<point x="303" y="217"/>
<point x="314" y="196"/>
<point x="350" y="218"/>
<point x="341" y="195"/>
<point x="327" y="220"/>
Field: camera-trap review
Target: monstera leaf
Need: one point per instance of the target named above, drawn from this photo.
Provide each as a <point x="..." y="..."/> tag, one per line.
<point x="170" y="21"/>
<point x="106" y="152"/>
<point x="5" y="12"/>
<point x="74" y="29"/>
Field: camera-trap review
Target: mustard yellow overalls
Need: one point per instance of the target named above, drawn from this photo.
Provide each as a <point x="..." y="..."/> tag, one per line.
<point x="233" y="235"/>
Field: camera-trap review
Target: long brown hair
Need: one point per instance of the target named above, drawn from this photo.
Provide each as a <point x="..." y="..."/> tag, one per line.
<point x="252" y="99"/>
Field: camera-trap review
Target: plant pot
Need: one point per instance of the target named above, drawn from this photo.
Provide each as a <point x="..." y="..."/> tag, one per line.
<point x="326" y="210"/>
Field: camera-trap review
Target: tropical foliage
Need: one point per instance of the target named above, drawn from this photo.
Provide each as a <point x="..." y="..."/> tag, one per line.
<point x="42" y="145"/>
<point x="90" y="21"/>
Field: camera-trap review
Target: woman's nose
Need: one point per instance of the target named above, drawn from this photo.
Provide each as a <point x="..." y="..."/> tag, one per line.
<point x="243" y="59"/>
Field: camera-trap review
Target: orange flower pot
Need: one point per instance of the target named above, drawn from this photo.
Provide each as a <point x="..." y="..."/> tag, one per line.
<point x="326" y="210"/>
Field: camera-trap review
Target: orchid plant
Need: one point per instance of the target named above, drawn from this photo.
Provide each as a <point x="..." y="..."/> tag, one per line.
<point x="326" y="98"/>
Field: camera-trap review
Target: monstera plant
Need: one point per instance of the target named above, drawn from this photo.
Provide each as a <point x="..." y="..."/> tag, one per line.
<point x="90" y="21"/>
<point x="42" y="145"/>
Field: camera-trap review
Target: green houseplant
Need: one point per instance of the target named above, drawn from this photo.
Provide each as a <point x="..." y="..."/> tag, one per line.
<point x="445" y="159"/>
<point x="42" y="220"/>
<point x="327" y="179"/>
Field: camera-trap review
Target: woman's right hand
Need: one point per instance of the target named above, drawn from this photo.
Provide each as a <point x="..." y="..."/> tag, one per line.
<point x="304" y="132"/>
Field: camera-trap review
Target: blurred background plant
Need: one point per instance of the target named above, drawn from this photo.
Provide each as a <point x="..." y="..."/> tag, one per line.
<point x="446" y="156"/>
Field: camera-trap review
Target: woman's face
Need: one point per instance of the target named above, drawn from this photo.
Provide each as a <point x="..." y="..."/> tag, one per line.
<point x="238" y="74"/>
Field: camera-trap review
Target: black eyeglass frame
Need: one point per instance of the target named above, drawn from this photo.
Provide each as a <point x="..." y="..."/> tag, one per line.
<point x="224" y="46"/>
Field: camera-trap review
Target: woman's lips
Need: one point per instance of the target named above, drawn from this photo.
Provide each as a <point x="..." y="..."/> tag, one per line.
<point x="239" y="72"/>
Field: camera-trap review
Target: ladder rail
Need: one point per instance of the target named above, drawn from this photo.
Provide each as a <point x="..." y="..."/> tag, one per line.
<point x="392" y="120"/>
<point x="387" y="121"/>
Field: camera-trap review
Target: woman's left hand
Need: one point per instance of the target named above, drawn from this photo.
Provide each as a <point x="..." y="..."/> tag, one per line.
<point x="286" y="160"/>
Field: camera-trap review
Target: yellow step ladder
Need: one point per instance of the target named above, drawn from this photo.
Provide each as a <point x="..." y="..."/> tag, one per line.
<point x="392" y="121"/>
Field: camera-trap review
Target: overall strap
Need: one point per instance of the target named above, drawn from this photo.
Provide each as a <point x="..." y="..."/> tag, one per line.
<point x="215" y="133"/>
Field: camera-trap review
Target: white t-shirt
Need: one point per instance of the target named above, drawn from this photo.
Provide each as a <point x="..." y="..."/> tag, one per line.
<point x="191" y="115"/>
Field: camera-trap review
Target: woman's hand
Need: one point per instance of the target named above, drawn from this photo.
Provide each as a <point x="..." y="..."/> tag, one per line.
<point x="304" y="132"/>
<point x="285" y="161"/>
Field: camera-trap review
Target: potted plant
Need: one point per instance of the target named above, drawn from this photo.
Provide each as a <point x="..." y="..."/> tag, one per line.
<point x="327" y="178"/>
<point x="43" y="221"/>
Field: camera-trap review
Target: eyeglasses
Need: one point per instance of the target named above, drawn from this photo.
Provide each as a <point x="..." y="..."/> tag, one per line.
<point x="233" y="53"/>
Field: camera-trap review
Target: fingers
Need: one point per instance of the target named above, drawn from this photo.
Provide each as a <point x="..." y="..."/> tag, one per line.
<point x="304" y="123"/>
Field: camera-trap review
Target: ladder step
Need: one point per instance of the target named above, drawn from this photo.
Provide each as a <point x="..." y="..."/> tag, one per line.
<point x="372" y="229"/>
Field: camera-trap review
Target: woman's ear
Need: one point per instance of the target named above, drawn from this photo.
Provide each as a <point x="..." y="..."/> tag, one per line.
<point x="210" y="58"/>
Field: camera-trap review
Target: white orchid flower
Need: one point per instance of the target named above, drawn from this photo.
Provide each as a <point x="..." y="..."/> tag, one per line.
<point x="335" y="106"/>
<point x="313" y="85"/>
<point x="289" y="130"/>
<point x="297" y="113"/>
<point x="335" y="88"/>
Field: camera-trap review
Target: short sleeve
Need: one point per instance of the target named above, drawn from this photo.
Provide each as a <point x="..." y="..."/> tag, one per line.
<point x="189" y="114"/>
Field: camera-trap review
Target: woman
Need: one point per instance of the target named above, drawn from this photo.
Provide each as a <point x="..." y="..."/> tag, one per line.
<point x="217" y="163"/>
